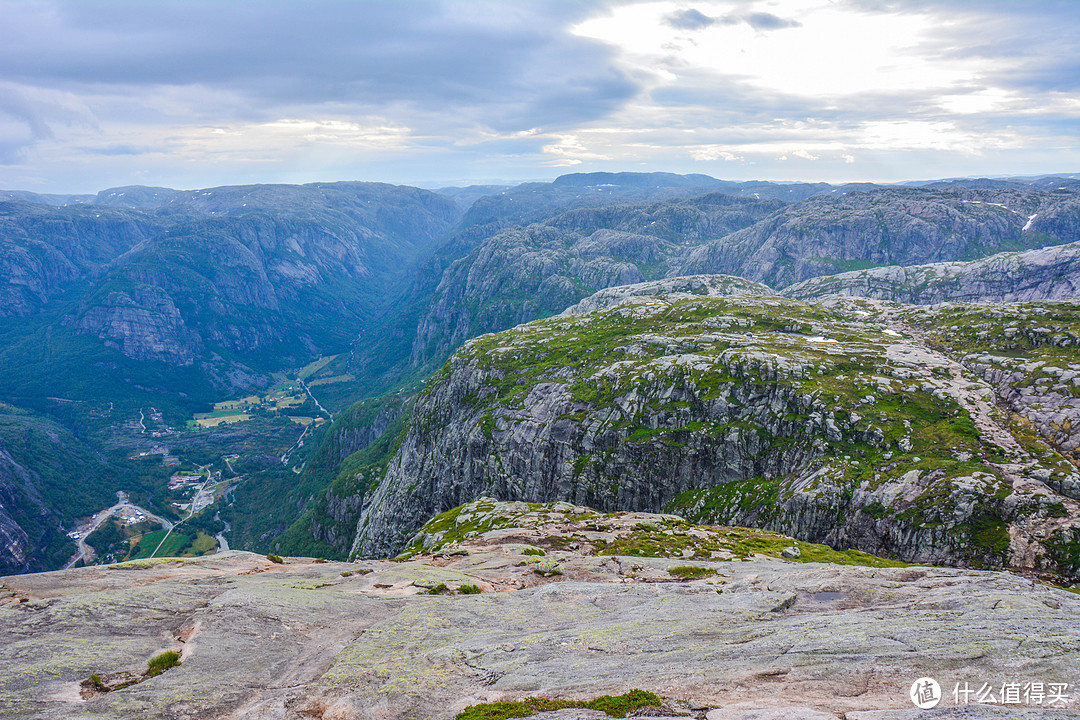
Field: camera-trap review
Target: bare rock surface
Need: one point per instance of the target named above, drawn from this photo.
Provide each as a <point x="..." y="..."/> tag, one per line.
<point x="1050" y="273"/>
<point x="671" y="288"/>
<point x="746" y="639"/>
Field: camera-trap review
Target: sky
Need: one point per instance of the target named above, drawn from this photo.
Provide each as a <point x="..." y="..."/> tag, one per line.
<point x="193" y="93"/>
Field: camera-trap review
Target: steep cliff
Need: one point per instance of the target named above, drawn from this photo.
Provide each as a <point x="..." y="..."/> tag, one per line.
<point x="1050" y="273"/>
<point x="893" y="226"/>
<point x="47" y="478"/>
<point x="821" y="421"/>
<point x="45" y="248"/>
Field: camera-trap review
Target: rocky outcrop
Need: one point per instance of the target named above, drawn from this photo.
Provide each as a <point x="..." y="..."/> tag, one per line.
<point x="143" y="324"/>
<point x="1051" y="273"/>
<point x="892" y="226"/>
<point x="1027" y="352"/>
<point x="516" y="601"/>
<point x="683" y="287"/>
<point x="824" y="423"/>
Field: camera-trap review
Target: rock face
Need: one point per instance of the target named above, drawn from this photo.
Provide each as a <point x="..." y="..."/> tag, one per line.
<point x="43" y="249"/>
<point x="246" y="281"/>
<point x="829" y="234"/>
<point x="708" y="285"/>
<point x="823" y="422"/>
<point x="523" y="273"/>
<point x="749" y="637"/>
<point x="16" y="547"/>
<point x="1051" y="273"/>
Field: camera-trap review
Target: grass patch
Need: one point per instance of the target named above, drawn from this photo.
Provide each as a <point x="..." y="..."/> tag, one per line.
<point x="618" y="706"/>
<point x="160" y="663"/>
<point x="469" y="589"/>
<point x="690" y="572"/>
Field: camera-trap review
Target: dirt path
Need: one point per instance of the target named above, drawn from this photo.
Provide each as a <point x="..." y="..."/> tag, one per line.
<point x="978" y="399"/>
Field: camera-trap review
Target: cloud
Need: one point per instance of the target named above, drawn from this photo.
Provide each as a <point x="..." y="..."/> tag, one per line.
<point x="768" y="21"/>
<point x="487" y="62"/>
<point x="689" y="20"/>
<point x="194" y="92"/>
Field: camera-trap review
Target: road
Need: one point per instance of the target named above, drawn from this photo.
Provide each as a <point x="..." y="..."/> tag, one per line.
<point x="314" y="399"/>
<point x="194" y="501"/>
<point x="123" y="507"/>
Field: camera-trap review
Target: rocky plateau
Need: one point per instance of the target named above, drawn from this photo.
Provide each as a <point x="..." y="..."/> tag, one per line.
<point x="501" y="602"/>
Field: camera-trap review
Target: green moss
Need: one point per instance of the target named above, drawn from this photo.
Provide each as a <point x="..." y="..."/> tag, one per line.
<point x="618" y="706"/>
<point x="876" y="510"/>
<point x="533" y="551"/>
<point x="690" y="572"/>
<point x="1063" y="552"/>
<point x="469" y="589"/>
<point x="275" y="559"/>
<point x="1057" y="510"/>
<point x="487" y="425"/>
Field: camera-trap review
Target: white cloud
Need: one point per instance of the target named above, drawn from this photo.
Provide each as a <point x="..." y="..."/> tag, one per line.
<point x="570" y="150"/>
<point x="708" y="153"/>
<point x="833" y="49"/>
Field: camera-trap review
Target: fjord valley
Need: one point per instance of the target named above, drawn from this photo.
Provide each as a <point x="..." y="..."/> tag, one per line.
<point x="645" y="384"/>
<point x="150" y="331"/>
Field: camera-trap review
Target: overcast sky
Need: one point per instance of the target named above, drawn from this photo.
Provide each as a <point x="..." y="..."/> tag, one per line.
<point x="99" y="93"/>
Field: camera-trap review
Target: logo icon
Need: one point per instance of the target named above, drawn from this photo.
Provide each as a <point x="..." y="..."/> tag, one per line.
<point x="925" y="693"/>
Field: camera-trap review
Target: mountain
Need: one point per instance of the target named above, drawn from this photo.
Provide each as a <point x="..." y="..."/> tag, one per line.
<point x="520" y="274"/>
<point x="44" y="249"/>
<point x="1051" y="273"/>
<point x="48" y="477"/>
<point x="841" y="424"/>
<point x="211" y="289"/>
<point x="150" y="301"/>
<point x="388" y="351"/>
<point x="891" y="226"/>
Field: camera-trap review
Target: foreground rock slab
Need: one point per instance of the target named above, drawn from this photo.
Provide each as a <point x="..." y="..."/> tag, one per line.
<point x="757" y="639"/>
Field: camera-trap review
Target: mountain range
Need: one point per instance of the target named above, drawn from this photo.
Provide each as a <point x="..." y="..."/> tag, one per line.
<point x="752" y="353"/>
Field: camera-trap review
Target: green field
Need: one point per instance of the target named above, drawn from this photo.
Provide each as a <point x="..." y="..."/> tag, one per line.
<point x="172" y="547"/>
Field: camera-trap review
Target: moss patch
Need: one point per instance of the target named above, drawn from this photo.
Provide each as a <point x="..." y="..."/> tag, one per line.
<point x="618" y="706"/>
